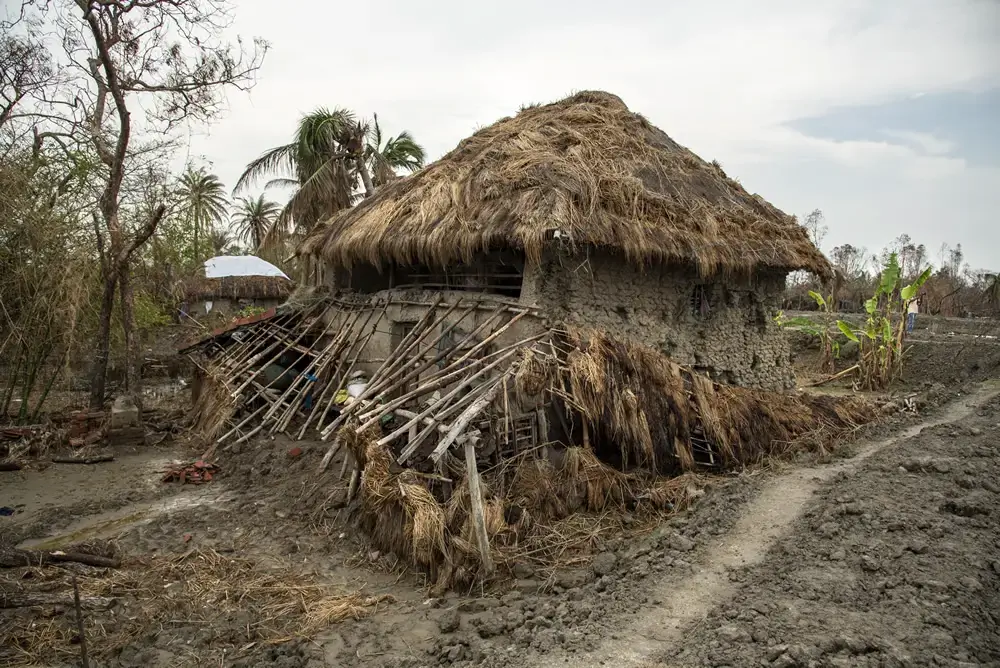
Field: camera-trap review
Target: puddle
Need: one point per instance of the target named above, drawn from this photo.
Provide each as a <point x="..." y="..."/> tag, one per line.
<point x="112" y="523"/>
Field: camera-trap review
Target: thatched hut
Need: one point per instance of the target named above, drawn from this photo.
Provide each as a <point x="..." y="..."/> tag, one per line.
<point x="587" y="212"/>
<point x="552" y="304"/>
<point x="231" y="283"/>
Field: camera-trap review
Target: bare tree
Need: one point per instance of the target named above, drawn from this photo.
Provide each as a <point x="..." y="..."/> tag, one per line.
<point x="167" y="58"/>
<point x="816" y="227"/>
<point x="25" y="71"/>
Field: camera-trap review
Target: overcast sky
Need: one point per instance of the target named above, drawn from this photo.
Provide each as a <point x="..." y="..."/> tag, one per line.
<point x="885" y="114"/>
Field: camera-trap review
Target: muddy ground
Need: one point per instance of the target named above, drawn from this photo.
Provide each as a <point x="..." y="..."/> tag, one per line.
<point x="883" y="553"/>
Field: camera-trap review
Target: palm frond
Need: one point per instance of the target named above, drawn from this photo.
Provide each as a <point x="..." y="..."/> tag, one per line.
<point x="278" y="158"/>
<point x="282" y="183"/>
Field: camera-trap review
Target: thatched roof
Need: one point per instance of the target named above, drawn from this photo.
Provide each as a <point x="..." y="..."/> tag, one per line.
<point x="585" y="166"/>
<point x="237" y="287"/>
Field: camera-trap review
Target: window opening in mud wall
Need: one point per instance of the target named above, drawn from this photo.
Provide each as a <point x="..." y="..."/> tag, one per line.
<point x="498" y="272"/>
<point x="700" y="301"/>
<point x="397" y="332"/>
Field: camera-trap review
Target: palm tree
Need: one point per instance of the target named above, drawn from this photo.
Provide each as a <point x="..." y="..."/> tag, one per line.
<point x="330" y="153"/>
<point x="223" y="243"/>
<point x="203" y="199"/>
<point x="253" y="219"/>
<point x="384" y="157"/>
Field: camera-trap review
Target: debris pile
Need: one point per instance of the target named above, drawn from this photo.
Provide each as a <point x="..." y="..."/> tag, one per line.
<point x="480" y="422"/>
<point x="191" y="473"/>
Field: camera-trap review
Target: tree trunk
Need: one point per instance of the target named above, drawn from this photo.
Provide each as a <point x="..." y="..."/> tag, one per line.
<point x="99" y="373"/>
<point x="196" y="249"/>
<point x="133" y="363"/>
<point x="366" y="177"/>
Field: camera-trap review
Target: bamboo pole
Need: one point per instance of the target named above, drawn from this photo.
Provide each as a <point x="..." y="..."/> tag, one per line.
<point x="466" y="417"/>
<point x="416" y="372"/>
<point x="390" y="362"/>
<point x="318" y="364"/>
<point x="302" y="376"/>
<point x="444" y="400"/>
<point x="333" y="385"/>
<point x="442" y="378"/>
<point x="380" y="381"/>
<point x="336" y="380"/>
<point x="302" y="333"/>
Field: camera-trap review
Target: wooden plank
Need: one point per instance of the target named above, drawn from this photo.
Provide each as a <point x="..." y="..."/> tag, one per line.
<point x="478" y="515"/>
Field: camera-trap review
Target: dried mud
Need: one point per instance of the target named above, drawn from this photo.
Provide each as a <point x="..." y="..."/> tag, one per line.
<point x="883" y="553"/>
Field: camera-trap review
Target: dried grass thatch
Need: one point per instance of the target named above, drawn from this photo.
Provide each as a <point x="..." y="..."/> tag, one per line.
<point x="667" y="418"/>
<point x="585" y="166"/>
<point x="213" y="406"/>
<point x="237" y="287"/>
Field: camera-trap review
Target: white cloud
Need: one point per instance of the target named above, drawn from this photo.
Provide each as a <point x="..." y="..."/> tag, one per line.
<point x="722" y="77"/>
<point x="925" y="141"/>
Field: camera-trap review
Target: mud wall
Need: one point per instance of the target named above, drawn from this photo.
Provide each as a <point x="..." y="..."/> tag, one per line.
<point x="722" y="326"/>
<point x="408" y="307"/>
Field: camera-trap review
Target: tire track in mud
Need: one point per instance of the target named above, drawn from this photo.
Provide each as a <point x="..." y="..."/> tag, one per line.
<point x="766" y="518"/>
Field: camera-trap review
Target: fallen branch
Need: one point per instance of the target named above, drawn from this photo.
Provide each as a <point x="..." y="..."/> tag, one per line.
<point x="14" y="558"/>
<point x="10" y="600"/>
<point x="10" y="466"/>
<point x="96" y="459"/>
<point x="835" y="376"/>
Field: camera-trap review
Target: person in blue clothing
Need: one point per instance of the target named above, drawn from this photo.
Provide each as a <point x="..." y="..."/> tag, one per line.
<point x="911" y="314"/>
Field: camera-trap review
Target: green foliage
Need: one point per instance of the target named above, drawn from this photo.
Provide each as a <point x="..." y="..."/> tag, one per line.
<point x="248" y="311"/>
<point x="846" y="330"/>
<point x="329" y="156"/>
<point x="881" y="338"/>
<point x="203" y="205"/>
<point x="148" y="313"/>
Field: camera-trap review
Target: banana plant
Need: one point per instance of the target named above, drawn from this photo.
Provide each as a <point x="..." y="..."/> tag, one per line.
<point x="881" y="339"/>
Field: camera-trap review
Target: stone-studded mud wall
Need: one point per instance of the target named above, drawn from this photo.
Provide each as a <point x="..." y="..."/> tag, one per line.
<point x="724" y="326"/>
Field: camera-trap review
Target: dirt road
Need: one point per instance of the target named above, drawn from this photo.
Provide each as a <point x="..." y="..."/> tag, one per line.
<point x="890" y="558"/>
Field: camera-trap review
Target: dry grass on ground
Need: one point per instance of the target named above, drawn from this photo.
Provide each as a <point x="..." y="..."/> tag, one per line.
<point x="242" y="603"/>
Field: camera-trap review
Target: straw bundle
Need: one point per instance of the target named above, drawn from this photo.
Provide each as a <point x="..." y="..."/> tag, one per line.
<point x="667" y="418"/>
<point x="400" y="515"/>
<point x="213" y="408"/>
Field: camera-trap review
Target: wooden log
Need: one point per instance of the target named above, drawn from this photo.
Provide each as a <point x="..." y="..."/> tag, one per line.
<point x="477" y="407"/>
<point x="478" y="515"/>
<point x="14" y="558"/>
<point x="10" y="600"/>
<point x="10" y="466"/>
<point x="96" y="459"/>
<point x="352" y="488"/>
<point x="329" y="455"/>
<point x="81" y="636"/>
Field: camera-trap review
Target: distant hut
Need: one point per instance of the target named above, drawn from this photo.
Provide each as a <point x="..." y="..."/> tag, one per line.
<point x="231" y="283"/>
